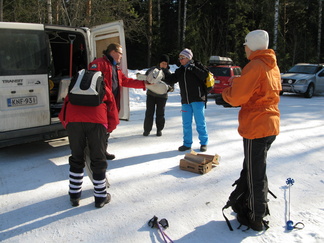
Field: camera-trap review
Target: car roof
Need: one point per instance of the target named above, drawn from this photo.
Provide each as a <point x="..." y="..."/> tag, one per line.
<point x="224" y="66"/>
<point x="309" y="64"/>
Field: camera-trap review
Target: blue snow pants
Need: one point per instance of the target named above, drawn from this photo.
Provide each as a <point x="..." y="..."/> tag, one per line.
<point x="196" y="110"/>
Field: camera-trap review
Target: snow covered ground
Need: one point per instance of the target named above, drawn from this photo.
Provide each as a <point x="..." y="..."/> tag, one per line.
<point x="146" y="181"/>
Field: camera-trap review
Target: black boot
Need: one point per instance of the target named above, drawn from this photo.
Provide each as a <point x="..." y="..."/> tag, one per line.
<point x="75" y="185"/>
<point x="100" y="190"/>
<point x="109" y="156"/>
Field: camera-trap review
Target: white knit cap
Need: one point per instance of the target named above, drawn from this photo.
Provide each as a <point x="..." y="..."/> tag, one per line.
<point x="257" y="40"/>
<point x="187" y="53"/>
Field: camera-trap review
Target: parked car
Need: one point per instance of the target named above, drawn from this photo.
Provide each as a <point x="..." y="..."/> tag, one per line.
<point x="222" y="69"/>
<point x="304" y="78"/>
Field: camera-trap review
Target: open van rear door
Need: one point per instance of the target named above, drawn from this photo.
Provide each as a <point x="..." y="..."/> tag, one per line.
<point x="100" y="37"/>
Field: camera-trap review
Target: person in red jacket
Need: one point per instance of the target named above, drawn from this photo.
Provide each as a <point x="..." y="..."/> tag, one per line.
<point x="256" y="91"/>
<point x="89" y="125"/>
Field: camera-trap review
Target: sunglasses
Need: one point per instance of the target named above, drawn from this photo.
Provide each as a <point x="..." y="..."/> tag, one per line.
<point x="180" y="58"/>
<point x="119" y="52"/>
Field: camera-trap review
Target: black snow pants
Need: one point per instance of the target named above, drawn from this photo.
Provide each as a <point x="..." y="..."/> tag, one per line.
<point x="253" y="175"/>
<point x="94" y="135"/>
<point x="151" y="103"/>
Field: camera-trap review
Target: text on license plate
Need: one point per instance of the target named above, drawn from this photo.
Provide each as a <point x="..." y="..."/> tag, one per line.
<point x="30" y="100"/>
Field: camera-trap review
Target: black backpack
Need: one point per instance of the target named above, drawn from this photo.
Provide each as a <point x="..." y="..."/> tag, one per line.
<point x="87" y="88"/>
<point x="239" y="202"/>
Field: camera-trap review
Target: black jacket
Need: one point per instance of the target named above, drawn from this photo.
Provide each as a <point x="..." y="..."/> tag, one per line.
<point x="191" y="80"/>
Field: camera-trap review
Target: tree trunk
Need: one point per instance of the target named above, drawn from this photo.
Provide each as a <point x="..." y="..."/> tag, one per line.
<point x="276" y="21"/>
<point x="1" y="10"/>
<point x="149" y="37"/>
<point x="184" y="23"/>
<point x="88" y="17"/>
<point x="179" y="24"/>
<point x="49" y="12"/>
<point x="319" y="31"/>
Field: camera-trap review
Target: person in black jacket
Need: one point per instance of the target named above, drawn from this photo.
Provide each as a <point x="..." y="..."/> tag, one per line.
<point x="158" y="101"/>
<point x="191" y="76"/>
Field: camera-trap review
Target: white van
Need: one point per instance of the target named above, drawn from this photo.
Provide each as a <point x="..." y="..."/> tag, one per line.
<point x="36" y="64"/>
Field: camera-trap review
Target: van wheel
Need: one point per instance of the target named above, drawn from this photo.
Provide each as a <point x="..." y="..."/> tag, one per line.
<point x="310" y="91"/>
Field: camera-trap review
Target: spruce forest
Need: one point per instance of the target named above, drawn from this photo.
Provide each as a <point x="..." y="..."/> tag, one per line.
<point x="208" y="27"/>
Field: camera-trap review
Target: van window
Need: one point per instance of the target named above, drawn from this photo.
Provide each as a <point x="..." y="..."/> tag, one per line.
<point x="237" y="71"/>
<point x="23" y="52"/>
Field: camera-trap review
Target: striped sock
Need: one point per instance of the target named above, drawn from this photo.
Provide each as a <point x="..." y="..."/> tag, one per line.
<point x="99" y="183"/>
<point x="76" y="180"/>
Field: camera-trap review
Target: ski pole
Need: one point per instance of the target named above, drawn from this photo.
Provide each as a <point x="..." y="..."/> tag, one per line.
<point x="164" y="223"/>
<point x="290" y="224"/>
<point x="161" y="231"/>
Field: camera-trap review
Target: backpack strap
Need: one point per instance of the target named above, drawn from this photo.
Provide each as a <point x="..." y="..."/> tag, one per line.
<point x="227" y="221"/>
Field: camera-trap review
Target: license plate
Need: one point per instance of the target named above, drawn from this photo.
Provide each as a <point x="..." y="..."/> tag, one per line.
<point x="21" y="101"/>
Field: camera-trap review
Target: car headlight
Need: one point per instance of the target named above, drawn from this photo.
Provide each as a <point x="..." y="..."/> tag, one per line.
<point x="301" y="81"/>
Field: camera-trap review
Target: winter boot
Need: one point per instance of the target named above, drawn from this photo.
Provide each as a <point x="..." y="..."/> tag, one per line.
<point x="183" y="148"/>
<point x="203" y="148"/>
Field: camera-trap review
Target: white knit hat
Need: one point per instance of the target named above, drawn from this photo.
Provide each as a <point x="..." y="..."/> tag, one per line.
<point x="187" y="53"/>
<point x="257" y="40"/>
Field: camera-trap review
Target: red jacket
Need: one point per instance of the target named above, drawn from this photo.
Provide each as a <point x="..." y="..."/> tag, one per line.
<point x="107" y="112"/>
<point x="257" y="92"/>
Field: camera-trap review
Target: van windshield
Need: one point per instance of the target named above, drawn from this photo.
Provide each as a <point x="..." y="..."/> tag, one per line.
<point x="22" y="52"/>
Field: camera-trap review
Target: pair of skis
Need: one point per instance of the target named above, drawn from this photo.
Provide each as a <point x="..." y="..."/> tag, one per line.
<point x="161" y="225"/>
<point x="88" y="166"/>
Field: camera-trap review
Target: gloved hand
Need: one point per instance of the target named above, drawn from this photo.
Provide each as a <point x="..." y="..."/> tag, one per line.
<point x="220" y="101"/>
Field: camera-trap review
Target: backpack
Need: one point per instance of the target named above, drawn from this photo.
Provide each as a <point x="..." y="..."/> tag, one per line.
<point x="87" y="88"/>
<point x="238" y="200"/>
<point x="210" y="81"/>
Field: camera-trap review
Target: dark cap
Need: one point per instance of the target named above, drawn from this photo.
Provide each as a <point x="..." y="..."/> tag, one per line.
<point x="164" y="58"/>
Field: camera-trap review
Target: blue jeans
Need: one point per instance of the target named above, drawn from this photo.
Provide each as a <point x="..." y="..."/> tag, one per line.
<point x="196" y="110"/>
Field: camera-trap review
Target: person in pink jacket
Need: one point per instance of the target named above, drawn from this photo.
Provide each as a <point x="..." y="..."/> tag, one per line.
<point x="89" y="125"/>
<point x="256" y="91"/>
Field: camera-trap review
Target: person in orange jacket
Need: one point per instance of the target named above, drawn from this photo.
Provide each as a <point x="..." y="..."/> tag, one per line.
<point x="91" y="124"/>
<point x="256" y="91"/>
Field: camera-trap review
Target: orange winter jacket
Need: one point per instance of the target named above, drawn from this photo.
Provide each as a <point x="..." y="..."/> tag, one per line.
<point x="257" y="92"/>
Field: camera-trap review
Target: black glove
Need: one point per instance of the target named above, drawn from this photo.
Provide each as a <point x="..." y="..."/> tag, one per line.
<point x="220" y="101"/>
